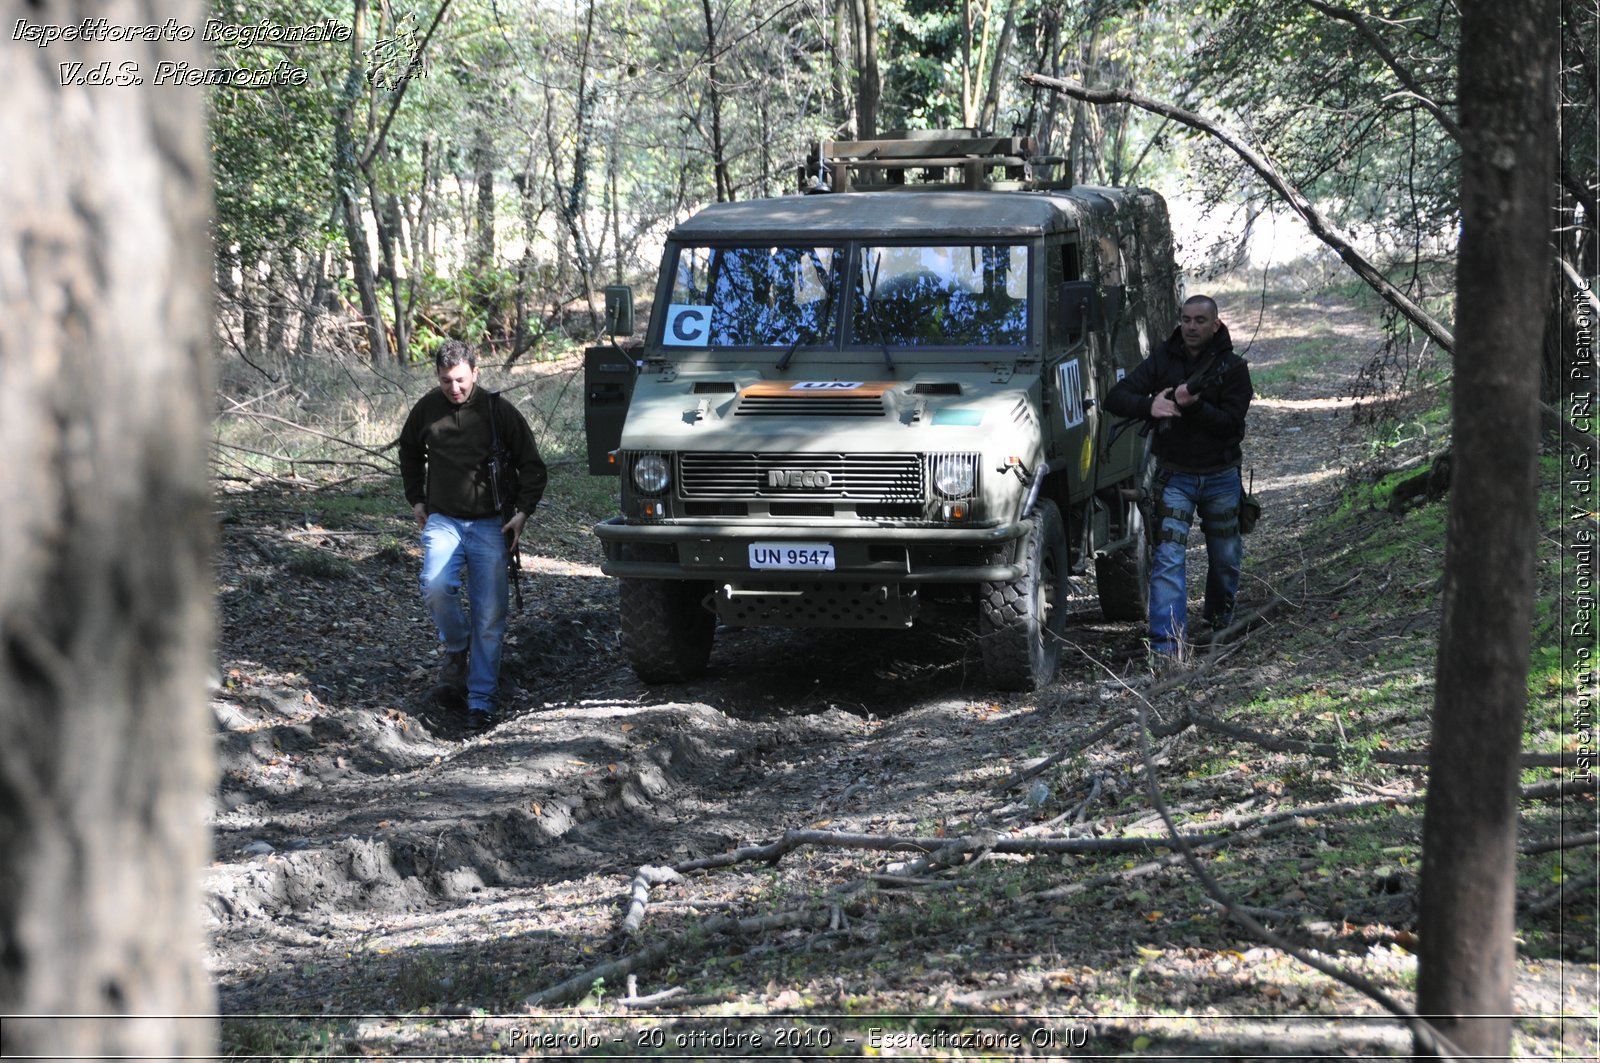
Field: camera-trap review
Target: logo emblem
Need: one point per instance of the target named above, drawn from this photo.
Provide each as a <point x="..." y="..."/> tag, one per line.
<point x="817" y="479"/>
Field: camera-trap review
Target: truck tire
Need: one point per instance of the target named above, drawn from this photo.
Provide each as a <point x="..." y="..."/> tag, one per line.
<point x="666" y="631"/>
<point x="1020" y="622"/>
<point x="1123" y="578"/>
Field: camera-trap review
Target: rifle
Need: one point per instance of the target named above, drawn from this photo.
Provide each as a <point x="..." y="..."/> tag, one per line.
<point x="1207" y="374"/>
<point x="502" y="488"/>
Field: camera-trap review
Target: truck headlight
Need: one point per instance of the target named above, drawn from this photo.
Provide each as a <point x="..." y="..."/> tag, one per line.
<point x="954" y="475"/>
<point x="652" y="473"/>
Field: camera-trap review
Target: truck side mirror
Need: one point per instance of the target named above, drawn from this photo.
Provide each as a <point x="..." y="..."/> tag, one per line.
<point x="619" y="309"/>
<point x="1078" y="308"/>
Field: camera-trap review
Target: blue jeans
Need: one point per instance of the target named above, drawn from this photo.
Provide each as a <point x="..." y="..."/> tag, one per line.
<point x="448" y="546"/>
<point x="1216" y="497"/>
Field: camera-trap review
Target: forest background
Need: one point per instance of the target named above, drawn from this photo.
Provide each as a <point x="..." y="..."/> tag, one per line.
<point x="478" y="170"/>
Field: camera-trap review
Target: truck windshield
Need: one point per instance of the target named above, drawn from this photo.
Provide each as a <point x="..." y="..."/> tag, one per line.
<point x="752" y="297"/>
<point x="941" y="296"/>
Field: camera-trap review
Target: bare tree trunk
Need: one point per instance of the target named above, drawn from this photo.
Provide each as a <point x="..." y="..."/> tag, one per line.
<point x="1469" y="847"/>
<point x="967" y="77"/>
<point x="284" y="285"/>
<point x="105" y="553"/>
<point x="573" y="200"/>
<point x="870" y="89"/>
<point x="843" y="106"/>
<point x="312" y="311"/>
<point x="483" y="221"/>
<point x="989" y="115"/>
<point x="719" y="148"/>
<point x="1050" y="58"/>
<point x="614" y="181"/>
<point x="250" y="300"/>
<point x="347" y="168"/>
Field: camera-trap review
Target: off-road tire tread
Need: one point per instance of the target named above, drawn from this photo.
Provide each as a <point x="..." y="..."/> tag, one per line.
<point x="666" y="632"/>
<point x="1016" y="654"/>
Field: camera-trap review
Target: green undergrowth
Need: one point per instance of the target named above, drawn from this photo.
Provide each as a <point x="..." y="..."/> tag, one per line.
<point x="1365" y="659"/>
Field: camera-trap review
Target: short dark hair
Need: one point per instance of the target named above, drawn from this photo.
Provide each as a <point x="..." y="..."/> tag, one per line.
<point x="452" y="353"/>
<point x="1211" y="303"/>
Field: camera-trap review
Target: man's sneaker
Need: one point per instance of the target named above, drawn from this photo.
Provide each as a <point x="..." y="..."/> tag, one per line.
<point x="479" y="722"/>
<point x="454" y="672"/>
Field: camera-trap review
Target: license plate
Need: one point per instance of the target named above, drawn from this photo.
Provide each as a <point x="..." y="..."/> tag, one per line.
<point x="815" y="557"/>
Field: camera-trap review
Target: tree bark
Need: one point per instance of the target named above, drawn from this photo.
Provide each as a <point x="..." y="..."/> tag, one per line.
<point x="347" y="171"/>
<point x="870" y="88"/>
<point x="719" y="147"/>
<point x="105" y="551"/>
<point x="843" y="50"/>
<point x="481" y="260"/>
<point x="1507" y="92"/>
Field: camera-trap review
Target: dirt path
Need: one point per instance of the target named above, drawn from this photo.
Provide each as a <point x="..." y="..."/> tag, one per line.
<point x="398" y="885"/>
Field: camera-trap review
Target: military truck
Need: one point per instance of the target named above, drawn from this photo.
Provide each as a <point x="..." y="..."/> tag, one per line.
<point x="851" y="401"/>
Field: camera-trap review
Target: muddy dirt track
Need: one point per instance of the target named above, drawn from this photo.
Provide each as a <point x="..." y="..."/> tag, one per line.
<point x="386" y="884"/>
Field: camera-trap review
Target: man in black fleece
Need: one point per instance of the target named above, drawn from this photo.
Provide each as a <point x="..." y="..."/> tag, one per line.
<point x="444" y="462"/>
<point x="1197" y="392"/>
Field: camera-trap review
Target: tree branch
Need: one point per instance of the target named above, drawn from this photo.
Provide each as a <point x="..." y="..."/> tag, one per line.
<point x="1413" y="758"/>
<point x="646" y="877"/>
<point x="365" y="162"/>
<point x="1320" y="226"/>
<point x="289" y="459"/>
<point x="377" y="452"/>
<point x="578" y="985"/>
<point x="1566" y="841"/>
<point x="1411" y="85"/>
<point x="1421" y="1029"/>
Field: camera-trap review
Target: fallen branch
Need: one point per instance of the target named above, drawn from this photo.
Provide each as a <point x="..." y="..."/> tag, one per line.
<point x="1151" y="866"/>
<point x="649" y="1000"/>
<point x="256" y="415"/>
<point x="292" y="461"/>
<point x="576" y="987"/>
<point x="1567" y="841"/>
<point x="1427" y="1037"/>
<point x="1554" y="899"/>
<point x="944" y="847"/>
<point x="579" y="985"/>
<point x="1321" y="227"/>
<point x="646" y="877"/>
<point x="1020" y="777"/>
<point x="1413" y="758"/>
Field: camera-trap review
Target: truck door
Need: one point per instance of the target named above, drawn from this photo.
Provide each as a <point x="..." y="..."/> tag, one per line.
<point x="1072" y="393"/>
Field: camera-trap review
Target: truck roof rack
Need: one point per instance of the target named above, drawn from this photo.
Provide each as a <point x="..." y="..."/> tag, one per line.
<point x="927" y="160"/>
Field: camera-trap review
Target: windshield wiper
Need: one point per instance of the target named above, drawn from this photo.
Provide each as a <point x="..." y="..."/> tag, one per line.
<point x="826" y="276"/>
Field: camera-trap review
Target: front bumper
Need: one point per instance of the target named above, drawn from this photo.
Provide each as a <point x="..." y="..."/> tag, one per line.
<point x="720" y="552"/>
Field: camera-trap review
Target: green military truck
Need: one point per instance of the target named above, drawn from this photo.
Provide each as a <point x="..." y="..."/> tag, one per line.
<point x="849" y="401"/>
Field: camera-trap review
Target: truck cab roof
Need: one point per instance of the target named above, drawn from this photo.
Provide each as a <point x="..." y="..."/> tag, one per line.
<point x="877" y="216"/>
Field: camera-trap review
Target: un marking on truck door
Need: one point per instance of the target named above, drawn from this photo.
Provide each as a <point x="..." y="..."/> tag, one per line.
<point x="1070" y="384"/>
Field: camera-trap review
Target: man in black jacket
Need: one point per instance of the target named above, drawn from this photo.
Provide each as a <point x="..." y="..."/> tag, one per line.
<point x="1196" y="392"/>
<point x="445" y="448"/>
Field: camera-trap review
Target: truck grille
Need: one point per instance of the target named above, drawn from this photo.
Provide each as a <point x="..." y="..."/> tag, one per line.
<point x="810" y="406"/>
<point x="867" y="477"/>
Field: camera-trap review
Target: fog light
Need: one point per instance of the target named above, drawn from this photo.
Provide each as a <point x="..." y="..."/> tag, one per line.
<point x="955" y="511"/>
